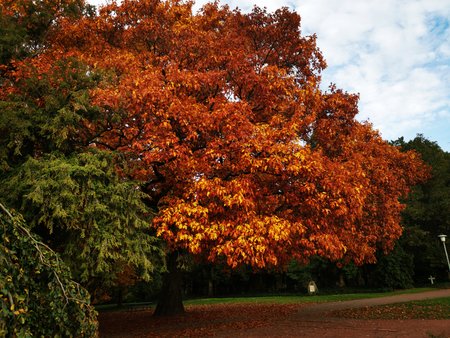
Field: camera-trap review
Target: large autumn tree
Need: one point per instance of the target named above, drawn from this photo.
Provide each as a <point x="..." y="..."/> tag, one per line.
<point x="243" y="157"/>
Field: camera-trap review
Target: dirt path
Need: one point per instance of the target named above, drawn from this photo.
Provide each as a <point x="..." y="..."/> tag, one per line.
<point x="275" y="320"/>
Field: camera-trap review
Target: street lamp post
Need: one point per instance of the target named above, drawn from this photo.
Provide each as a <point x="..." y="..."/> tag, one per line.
<point x="443" y="237"/>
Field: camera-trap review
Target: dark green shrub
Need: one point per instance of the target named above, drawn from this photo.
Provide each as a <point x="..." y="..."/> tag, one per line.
<point x="395" y="270"/>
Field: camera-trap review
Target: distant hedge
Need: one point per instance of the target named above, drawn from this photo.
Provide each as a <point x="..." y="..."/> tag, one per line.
<point x="38" y="296"/>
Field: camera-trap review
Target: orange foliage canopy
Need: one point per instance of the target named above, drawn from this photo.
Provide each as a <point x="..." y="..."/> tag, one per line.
<point x="221" y="115"/>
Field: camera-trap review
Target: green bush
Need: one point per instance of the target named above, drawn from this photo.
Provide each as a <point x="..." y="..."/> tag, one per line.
<point x="395" y="270"/>
<point x="38" y="297"/>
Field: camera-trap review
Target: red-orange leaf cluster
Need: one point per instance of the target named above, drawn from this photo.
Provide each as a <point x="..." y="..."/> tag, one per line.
<point x="221" y="115"/>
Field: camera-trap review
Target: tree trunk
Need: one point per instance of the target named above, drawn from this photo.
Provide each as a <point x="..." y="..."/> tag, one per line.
<point x="120" y="296"/>
<point x="341" y="282"/>
<point x="211" y="283"/>
<point x="170" y="300"/>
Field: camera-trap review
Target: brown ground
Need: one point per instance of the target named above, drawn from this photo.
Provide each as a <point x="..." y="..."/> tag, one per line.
<point x="274" y="320"/>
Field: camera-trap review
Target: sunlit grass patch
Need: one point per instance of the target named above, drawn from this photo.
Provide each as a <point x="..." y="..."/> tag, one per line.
<point x="289" y="299"/>
<point x="438" y="308"/>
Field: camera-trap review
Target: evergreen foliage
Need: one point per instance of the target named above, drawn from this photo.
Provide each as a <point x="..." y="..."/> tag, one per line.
<point x="429" y="205"/>
<point x="46" y="111"/>
<point x="37" y="295"/>
<point x="427" y="212"/>
<point x="93" y="217"/>
<point x="26" y="24"/>
<point x="395" y="270"/>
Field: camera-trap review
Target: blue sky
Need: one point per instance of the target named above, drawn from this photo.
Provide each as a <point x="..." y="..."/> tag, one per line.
<point x="394" y="53"/>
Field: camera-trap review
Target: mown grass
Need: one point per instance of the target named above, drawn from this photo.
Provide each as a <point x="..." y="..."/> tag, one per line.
<point x="438" y="308"/>
<point x="289" y="299"/>
<point x="275" y="299"/>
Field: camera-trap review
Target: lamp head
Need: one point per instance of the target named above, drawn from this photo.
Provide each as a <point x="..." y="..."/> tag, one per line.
<point x="442" y="237"/>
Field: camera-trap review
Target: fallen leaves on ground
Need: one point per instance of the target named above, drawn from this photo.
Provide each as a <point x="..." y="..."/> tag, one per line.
<point x="199" y="320"/>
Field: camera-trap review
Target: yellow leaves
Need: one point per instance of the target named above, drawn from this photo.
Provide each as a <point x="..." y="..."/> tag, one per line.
<point x="19" y="311"/>
<point x="299" y="154"/>
<point x="277" y="229"/>
<point x="234" y="193"/>
<point x="236" y="199"/>
<point x="248" y="239"/>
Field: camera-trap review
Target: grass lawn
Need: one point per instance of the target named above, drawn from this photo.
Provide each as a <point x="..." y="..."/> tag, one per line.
<point x="438" y="308"/>
<point x="290" y="299"/>
<point x="278" y="299"/>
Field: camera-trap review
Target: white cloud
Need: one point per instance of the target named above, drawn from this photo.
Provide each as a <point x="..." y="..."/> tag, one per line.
<point x="395" y="53"/>
<point x="97" y="2"/>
